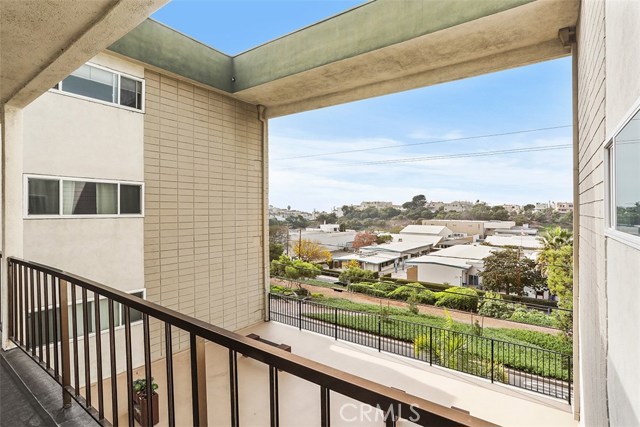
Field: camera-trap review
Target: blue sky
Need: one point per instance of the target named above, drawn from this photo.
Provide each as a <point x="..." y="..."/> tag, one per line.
<point x="526" y="98"/>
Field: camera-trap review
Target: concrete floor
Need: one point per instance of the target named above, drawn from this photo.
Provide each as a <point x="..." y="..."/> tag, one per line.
<point x="300" y="400"/>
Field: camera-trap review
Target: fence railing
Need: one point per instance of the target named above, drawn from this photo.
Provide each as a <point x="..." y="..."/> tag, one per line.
<point x="52" y="319"/>
<point x="531" y="368"/>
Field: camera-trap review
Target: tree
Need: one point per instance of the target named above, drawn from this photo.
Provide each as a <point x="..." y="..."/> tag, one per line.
<point x="364" y="239"/>
<point x="307" y="251"/>
<point x="552" y="240"/>
<point x="509" y="272"/>
<point x="342" y="228"/>
<point x="297" y="221"/>
<point x="528" y="207"/>
<point x="292" y="271"/>
<point x="559" y="271"/>
<point x="384" y="238"/>
<point x="275" y="250"/>
<point x="278" y="234"/>
<point x="330" y="218"/>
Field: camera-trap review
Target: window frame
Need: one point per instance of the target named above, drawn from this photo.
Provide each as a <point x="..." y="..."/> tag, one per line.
<point x="61" y="215"/>
<point x="58" y="89"/>
<point x="609" y="153"/>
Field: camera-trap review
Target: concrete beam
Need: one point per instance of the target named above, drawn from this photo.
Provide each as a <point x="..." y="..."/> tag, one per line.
<point x="42" y="42"/>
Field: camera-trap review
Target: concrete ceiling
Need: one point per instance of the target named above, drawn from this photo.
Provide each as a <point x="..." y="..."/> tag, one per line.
<point x="521" y="35"/>
<point x="378" y="48"/>
<point x="43" y="41"/>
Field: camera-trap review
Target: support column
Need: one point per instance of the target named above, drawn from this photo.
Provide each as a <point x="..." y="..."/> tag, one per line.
<point x="12" y="235"/>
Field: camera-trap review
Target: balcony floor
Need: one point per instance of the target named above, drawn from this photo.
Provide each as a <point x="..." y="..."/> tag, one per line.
<point x="300" y="400"/>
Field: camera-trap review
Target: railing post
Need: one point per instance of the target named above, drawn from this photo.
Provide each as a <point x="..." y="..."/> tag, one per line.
<point x="199" y="382"/>
<point x="569" y="368"/>
<point x="300" y="314"/>
<point x="64" y="343"/>
<point x="430" y="345"/>
<point x="335" y="323"/>
<point x="269" y="306"/>
<point x="379" y="333"/>
<point x="492" y="360"/>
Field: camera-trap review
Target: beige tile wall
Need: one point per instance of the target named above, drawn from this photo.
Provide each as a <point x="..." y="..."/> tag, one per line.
<point x="203" y="205"/>
<point x="592" y="134"/>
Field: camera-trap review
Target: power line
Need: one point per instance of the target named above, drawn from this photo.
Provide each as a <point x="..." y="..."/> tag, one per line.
<point x="424" y="143"/>
<point x="446" y="156"/>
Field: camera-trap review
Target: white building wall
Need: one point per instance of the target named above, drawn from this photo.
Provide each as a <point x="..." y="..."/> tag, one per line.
<point x="623" y="260"/>
<point x="68" y="136"/>
<point x="435" y="273"/>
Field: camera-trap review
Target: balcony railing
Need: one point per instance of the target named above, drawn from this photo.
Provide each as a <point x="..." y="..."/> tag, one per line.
<point x="531" y="368"/>
<point x="51" y="317"/>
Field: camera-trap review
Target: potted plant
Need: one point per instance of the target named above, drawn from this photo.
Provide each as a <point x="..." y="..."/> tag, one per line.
<point x="140" y="402"/>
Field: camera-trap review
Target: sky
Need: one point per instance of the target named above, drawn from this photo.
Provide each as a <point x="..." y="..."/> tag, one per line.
<point x="311" y="168"/>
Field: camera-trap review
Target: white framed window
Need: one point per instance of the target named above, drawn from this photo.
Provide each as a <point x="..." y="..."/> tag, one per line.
<point x="103" y="85"/>
<point x="622" y="162"/>
<point x="54" y="197"/>
<point x="135" y="316"/>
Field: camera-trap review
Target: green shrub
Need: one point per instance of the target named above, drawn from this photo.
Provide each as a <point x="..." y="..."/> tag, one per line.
<point x="492" y="305"/>
<point x="401" y="293"/>
<point x="458" y="298"/>
<point x="533" y="317"/>
<point x="427" y="297"/>
<point x="384" y="286"/>
<point x="366" y="288"/>
<point x="355" y="275"/>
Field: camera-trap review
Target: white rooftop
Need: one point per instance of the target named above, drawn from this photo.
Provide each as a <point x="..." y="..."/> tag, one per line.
<point x="441" y="260"/>
<point x="403" y="246"/>
<point x="529" y="242"/>
<point x="470" y="252"/>
<point x="373" y="258"/>
<point x="423" y="229"/>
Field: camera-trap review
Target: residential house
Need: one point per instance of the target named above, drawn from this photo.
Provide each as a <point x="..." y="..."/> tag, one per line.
<point x="457" y="265"/>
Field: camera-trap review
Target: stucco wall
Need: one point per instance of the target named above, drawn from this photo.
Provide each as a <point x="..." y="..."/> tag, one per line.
<point x="440" y="274"/>
<point x="68" y="136"/>
<point x="623" y="260"/>
<point x="203" y="205"/>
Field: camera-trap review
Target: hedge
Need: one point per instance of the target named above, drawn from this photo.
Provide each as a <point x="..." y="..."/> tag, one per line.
<point x="458" y="298"/>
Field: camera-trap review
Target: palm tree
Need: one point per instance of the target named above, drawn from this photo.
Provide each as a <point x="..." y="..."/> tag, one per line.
<point x="552" y="240"/>
<point x="556" y="238"/>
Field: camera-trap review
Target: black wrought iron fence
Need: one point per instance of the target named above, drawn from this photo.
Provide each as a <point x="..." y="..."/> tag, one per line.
<point x="53" y="320"/>
<point x="532" y="368"/>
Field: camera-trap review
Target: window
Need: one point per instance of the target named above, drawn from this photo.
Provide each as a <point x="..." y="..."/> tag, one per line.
<point x="99" y="83"/>
<point x="473" y="280"/>
<point x="623" y="156"/>
<point x="44" y="196"/>
<point x="118" y="318"/>
<point x="72" y="197"/>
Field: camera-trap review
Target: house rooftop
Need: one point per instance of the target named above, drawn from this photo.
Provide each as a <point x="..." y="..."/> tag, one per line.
<point x="529" y="242"/>
<point x="400" y="247"/>
<point x="423" y="229"/>
<point x="470" y="252"/>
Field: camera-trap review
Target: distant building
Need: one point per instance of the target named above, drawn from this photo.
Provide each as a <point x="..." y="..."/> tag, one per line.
<point x="428" y="230"/>
<point x="374" y="204"/>
<point x="282" y="214"/>
<point x="528" y="243"/>
<point x="462" y="228"/>
<point x="457" y="206"/>
<point x="563" y="207"/>
<point x="512" y="208"/>
<point x="541" y="207"/>
<point x="458" y="265"/>
<point x="327" y="235"/>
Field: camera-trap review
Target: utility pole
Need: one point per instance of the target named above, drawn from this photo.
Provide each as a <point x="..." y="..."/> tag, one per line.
<point x="300" y="245"/>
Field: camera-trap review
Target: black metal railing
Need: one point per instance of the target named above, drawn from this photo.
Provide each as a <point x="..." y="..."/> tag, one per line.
<point x="41" y="297"/>
<point x="532" y="368"/>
